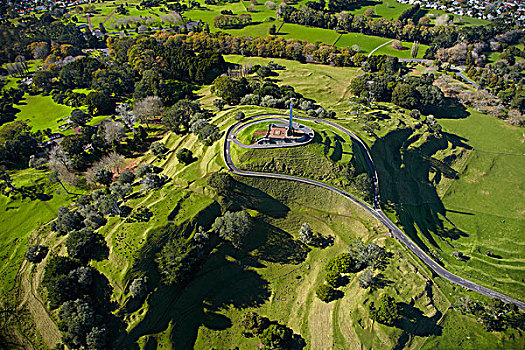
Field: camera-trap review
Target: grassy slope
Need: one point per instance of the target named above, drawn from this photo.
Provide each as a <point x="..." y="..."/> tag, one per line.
<point x="488" y="201"/>
<point x="22" y="218"/>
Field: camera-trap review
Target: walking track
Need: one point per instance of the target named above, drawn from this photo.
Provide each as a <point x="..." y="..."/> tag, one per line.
<point x="231" y="136"/>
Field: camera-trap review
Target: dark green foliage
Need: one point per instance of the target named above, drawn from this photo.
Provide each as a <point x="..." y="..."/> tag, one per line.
<point x="177" y="118"/>
<point x="334" y="279"/>
<point x="327" y="294"/>
<point x="59" y="289"/>
<point x="36" y="253"/>
<point x="234" y="227"/>
<point x="126" y="177"/>
<point x="386" y="311"/>
<point x="253" y="324"/>
<point x="277" y="336"/>
<point x="79" y="74"/>
<point x="85" y="245"/>
<point x="17" y="144"/>
<point x="365" y="255"/>
<point x="79" y="322"/>
<point x="43" y="80"/>
<point x="222" y="182"/>
<point x="79" y="117"/>
<point x="230" y="89"/>
<point x="341" y="264"/>
<point x="219" y="103"/>
<point x="230" y="21"/>
<point x="99" y="103"/>
<point x="144" y="169"/>
<point x="185" y="156"/>
<point x="151" y="181"/>
<point x="177" y="259"/>
<point x="158" y="148"/>
<point x="104" y="176"/>
<point x="239" y="116"/>
<point x="67" y="221"/>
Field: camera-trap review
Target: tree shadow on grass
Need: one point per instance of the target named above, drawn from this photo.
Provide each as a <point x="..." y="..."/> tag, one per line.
<point x="222" y="282"/>
<point x="415" y="323"/>
<point x="451" y="109"/>
<point x="270" y="243"/>
<point x="244" y="196"/>
<point x="403" y="172"/>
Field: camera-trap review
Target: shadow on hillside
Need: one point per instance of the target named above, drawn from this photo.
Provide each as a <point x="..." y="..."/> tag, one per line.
<point x="415" y="323"/>
<point x="270" y="243"/>
<point x="244" y="196"/>
<point x="404" y="174"/>
<point x="451" y="109"/>
<point x="222" y="282"/>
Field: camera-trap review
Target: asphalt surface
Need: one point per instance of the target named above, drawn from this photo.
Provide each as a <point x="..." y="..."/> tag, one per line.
<point x="375" y="211"/>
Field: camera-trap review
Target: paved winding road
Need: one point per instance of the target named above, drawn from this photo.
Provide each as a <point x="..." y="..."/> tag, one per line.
<point x="374" y="211"/>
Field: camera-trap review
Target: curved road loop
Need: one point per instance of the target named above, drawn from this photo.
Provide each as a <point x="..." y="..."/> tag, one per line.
<point x="231" y="136"/>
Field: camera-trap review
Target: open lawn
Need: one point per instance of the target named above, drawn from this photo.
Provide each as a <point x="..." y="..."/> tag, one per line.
<point x="41" y="112"/>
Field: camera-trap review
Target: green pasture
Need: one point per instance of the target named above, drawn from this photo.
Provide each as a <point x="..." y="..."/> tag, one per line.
<point x="41" y="112"/>
<point x="24" y="220"/>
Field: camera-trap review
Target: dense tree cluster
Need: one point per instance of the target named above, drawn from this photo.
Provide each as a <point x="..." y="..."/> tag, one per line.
<point x="495" y="315"/>
<point x="410" y="92"/>
<point x="232" y="21"/>
<point x="17" y="144"/>
<point x="272" y="334"/>
<point x="8" y="98"/>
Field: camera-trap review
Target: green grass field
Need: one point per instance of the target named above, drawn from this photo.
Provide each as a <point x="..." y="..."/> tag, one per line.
<point x="41" y="112"/>
<point x="23" y="220"/>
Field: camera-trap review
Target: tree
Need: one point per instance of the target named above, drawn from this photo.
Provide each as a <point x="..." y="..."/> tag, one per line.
<point x="79" y="117"/>
<point x="327" y="293"/>
<point x="365" y="255"/>
<point x="177" y="118"/>
<point x="230" y="89"/>
<point x="36" y="253"/>
<point x="334" y="279"/>
<point x="43" y="79"/>
<point x="85" y="245"/>
<point x="185" y="156"/>
<point x="67" y="221"/>
<point x="272" y="30"/>
<point x="342" y="263"/>
<point x="276" y="336"/>
<point x="139" y="287"/>
<point x="306" y="234"/>
<point x="233" y="226"/>
<point x="387" y="312"/>
<point x="99" y="103"/>
<point x="367" y="278"/>
<point x="239" y="116"/>
<point x="77" y="319"/>
<point x="126" y="177"/>
<point x="120" y="189"/>
<point x="219" y="103"/>
<point x="253" y="324"/>
<point x="104" y="176"/>
<point x="158" y="148"/>
<point x="222" y="182"/>
<point x="151" y="181"/>
<point x="147" y="108"/>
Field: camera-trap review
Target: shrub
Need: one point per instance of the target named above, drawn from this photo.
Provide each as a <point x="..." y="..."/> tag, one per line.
<point x="387" y="312"/>
<point x="327" y="293"/>
<point x="342" y="264"/>
<point x="334" y="279"/>
<point x="185" y="156"/>
<point x="36" y="253"/>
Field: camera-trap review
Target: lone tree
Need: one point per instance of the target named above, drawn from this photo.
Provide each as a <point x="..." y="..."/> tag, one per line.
<point x="234" y="227"/>
<point x="158" y="148"/>
<point x="239" y="116"/>
<point x="36" y="253"/>
<point x="185" y="156"/>
<point x="306" y="234"/>
<point x="387" y="312"/>
<point x="327" y="293"/>
<point x="147" y="108"/>
<point x="139" y="287"/>
<point x="219" y="103"/>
